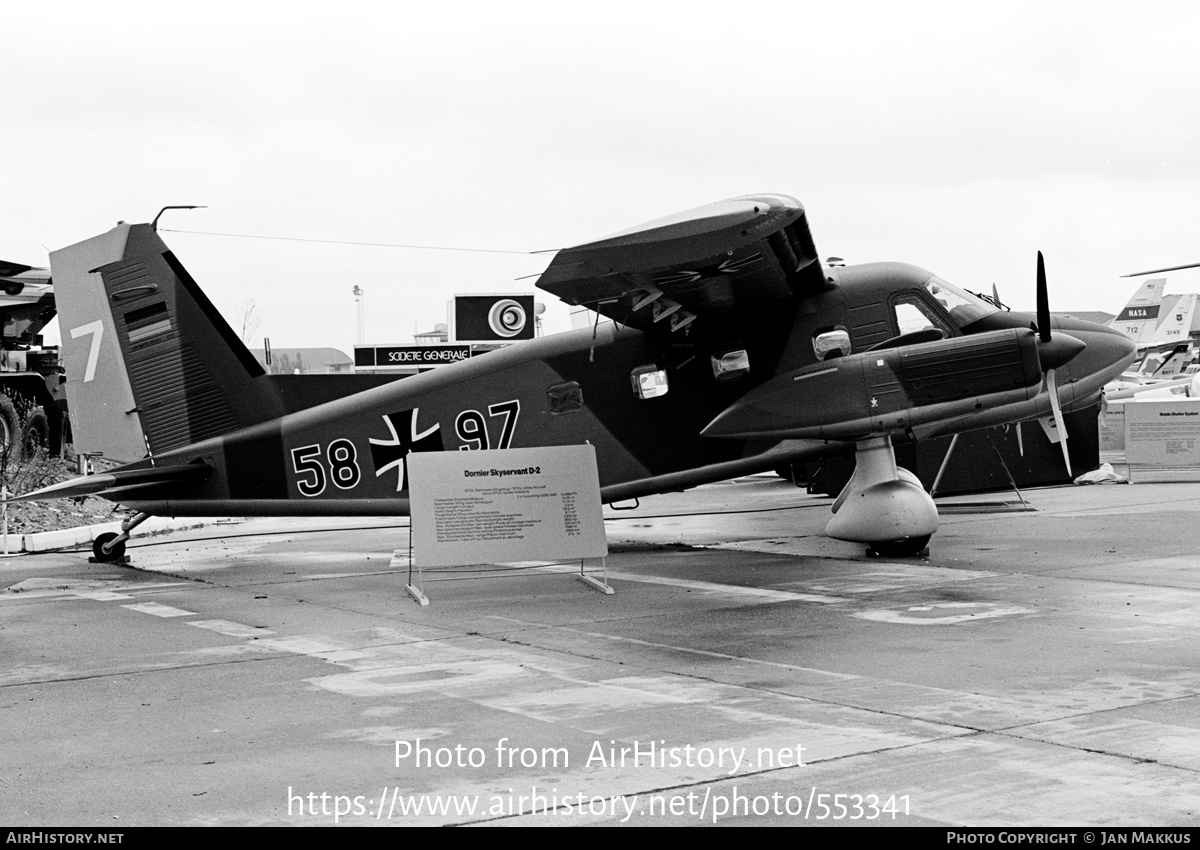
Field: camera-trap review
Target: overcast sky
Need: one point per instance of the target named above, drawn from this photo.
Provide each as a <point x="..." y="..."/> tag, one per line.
<point x="961" y="137"/>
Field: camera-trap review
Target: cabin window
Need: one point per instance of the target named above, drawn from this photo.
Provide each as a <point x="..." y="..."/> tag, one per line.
<point x="831" y="343"/>
<point x="731" y="365"/>
<point x="564" y="398"/>
<point x="649" y="381"/>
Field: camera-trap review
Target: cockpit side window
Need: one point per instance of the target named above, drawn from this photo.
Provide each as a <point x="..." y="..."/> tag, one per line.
<point x="912" y="314"/>
<point x="964" y="307"/>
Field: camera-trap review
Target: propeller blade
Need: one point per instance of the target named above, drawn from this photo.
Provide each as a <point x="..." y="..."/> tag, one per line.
<point x="1052" y="387"/>
<point x="1020" y="441"/>
<point x="1053" y="353"/>
<point x="1043" y="301"/>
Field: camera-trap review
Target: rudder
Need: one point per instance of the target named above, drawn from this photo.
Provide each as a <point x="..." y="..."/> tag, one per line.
<point x="151" y="365"/>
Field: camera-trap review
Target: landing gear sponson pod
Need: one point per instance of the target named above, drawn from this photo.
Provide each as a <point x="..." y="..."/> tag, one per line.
<point x="882" y="504"/>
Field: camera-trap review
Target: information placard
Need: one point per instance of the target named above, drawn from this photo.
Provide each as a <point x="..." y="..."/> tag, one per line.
<point x="1163" y="433"/>
<point x="488" y="507"/>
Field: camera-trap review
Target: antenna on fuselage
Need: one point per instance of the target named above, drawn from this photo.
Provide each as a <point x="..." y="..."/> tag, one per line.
<point x="154" y="224"/>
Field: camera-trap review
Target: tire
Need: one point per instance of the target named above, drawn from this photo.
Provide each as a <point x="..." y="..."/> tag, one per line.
<point x="35" y="434"/>
<point x="909" y="547"/>
<point x="10" y="425"/>
<point x="98" y="548"/>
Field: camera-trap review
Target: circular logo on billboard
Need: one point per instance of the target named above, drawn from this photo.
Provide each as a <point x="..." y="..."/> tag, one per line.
<point x="506" y="318"/>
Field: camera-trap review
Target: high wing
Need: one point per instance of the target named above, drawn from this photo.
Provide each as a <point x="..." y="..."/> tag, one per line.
<point x="700" y="265"/>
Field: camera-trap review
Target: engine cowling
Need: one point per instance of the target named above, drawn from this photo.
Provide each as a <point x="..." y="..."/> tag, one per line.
<point x="886" y="390"/>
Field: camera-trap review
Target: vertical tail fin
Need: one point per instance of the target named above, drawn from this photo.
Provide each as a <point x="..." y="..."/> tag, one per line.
<point x="1174" y="362"/>
<point x="1139" y="318"/>
<point x="151" y="365"/>
<point x="1175" y="325"/>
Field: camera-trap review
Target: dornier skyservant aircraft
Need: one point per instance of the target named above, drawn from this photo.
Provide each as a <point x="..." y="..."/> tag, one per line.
<point x="731" y="350"/>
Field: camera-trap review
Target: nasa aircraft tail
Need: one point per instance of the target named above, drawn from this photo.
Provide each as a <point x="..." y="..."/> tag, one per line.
<point x="1139" y="318"/>
<point x="151" y="365"/>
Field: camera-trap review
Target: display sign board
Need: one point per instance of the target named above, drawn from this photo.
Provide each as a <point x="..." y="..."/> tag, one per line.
<point x="488" y="507"/>
<point x="492" y="318"/>
<point x="408" y="356"/>
<point x="1163" y="433"/>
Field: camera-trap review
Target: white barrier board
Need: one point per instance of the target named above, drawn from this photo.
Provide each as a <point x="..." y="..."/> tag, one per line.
<point x="1163" y="433"/>
<point x="489" y="507"/>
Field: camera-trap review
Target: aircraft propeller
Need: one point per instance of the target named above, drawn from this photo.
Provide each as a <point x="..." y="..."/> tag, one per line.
<point x="1054" y="350"/>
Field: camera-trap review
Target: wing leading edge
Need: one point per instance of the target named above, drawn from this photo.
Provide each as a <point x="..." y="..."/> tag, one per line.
<point x="702" y="264"/>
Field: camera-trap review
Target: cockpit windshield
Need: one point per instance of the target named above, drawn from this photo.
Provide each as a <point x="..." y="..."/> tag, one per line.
<point x="963" y="306"/>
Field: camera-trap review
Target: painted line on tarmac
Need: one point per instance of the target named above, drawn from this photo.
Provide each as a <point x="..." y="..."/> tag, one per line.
<point x="690" y="584"/>
<point x="103" y="590"/>
<point x="730" y="589"/>
<point x="231" y="629"/>
<point x="839" y="677"/>
<point x="159" y="610"/>
<point x="926" y="615"/>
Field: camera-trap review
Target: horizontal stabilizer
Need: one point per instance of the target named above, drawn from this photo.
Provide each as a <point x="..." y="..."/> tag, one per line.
<point x="8" y="269"/>
<point x="105" y="483"/>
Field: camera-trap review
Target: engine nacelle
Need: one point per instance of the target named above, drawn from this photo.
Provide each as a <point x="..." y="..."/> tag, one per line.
<point x="886" y="390"/>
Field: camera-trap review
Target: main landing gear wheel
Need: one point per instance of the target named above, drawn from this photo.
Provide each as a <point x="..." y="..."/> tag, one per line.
<point x="909" y="547"/>
<point x="115" y="554"/>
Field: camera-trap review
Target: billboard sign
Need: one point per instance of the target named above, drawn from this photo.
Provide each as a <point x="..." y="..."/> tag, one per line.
<point x="490" y="319"/>
<point x="408" y="356"/>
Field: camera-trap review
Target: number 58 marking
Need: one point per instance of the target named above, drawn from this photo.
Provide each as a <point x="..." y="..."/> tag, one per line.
<point x="342" y="460"/>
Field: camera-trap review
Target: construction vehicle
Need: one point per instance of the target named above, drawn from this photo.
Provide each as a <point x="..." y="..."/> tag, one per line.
<point x="33" y="405"/>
